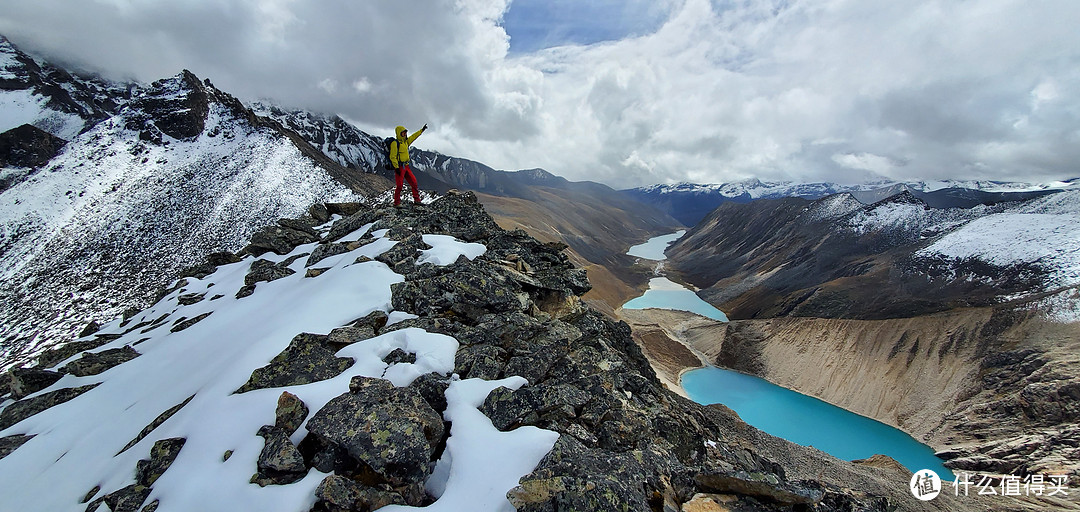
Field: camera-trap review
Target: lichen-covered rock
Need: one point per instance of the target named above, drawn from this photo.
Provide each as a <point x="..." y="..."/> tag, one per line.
<point x="350" y="224"/>
<point x="339" y="494"/>
<point x="401" y="258"/>
<point x="28" y="407"/>
<point x="761" y="485"/>
<point x="290" y="414"/>
<point x="465" y="289"/>
<point x="323" y="251"/>
<point x="391" y="430"/>
<point x="128" y="499"/>
<point x="398" y="355"/>
<point x="162" y="455"/>
<point x="305" y="360"/>
<point x="279" y="239"/>
<point x="55" y="356"/>
<point x="345" y="336"/>
<point x="510" y="409"/>
<point x="11" y="443"/>
<point x="280" y="462"/>
<point x="432" y="387"/>
<point x="23" y="382"/>
<point x="93" y="363"/>
<point x="265" y="270"/>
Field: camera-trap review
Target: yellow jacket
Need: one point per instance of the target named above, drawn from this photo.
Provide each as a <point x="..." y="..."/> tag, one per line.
<point x="399" y="149"/>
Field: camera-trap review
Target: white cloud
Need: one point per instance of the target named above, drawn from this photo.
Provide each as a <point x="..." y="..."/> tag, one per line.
<point x="829" y="90"/>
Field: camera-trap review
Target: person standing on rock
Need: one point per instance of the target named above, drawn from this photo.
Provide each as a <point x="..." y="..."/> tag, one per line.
<point x="399" y="158"/>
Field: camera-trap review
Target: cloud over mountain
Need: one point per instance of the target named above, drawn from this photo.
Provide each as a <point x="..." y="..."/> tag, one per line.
<point x="823" y="91"/>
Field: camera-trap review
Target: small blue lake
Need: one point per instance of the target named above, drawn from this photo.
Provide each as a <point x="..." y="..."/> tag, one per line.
<point x="665" y="294"/>
<point x="655" y="247"/>
<point x="808" y="421"/>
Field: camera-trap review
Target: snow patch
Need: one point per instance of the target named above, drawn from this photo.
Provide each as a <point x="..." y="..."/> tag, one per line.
<point x="447" y="249"/>
<point x="1052" y="241"/>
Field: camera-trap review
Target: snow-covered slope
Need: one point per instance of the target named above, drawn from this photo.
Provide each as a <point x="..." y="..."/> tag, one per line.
<point x="1044" y="233"/>
<point x="757" y="189"/>
<point x="179" y="171"/>
<point x="50" y="98"/>
<point x="691" y="202"/>
<point x="337" y="139"/>
<point x="84" y="444"/>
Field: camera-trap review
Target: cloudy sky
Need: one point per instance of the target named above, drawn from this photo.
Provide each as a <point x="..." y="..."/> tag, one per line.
<point x="631" y="92"/>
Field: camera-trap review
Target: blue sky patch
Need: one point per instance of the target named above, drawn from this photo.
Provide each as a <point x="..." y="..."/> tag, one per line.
<point x="537" y="24"/>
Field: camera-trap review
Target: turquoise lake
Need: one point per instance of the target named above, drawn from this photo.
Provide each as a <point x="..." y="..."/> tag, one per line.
<point x="665" y="294"/>
<point x="777" y="410"/>
<point x="808" y="421"/>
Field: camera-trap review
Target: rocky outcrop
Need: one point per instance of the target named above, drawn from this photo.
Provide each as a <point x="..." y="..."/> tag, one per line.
<point x="27" y="407"/>
<point x="27" y="146"/>
<point x="93" y="363"/>
<point x="307" y="359"/>
<point x="391" y="431"/>
<point x="147" y="472"/>
<point x="23" y="382"/>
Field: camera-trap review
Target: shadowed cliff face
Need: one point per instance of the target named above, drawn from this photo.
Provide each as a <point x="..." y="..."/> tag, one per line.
<point x="514" y="311"/>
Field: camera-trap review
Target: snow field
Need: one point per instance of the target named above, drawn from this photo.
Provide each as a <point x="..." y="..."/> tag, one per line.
<point x="78" y="444"/>
<point x="1045" y="231"/>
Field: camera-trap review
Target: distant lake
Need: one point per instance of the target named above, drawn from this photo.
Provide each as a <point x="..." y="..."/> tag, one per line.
<point x="665" y="294"/>
<point x="807" y="420"/>
<point x="654" y="248"/>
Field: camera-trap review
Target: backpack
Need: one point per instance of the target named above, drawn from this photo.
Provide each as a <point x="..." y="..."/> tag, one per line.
<point x="387" y="143"/>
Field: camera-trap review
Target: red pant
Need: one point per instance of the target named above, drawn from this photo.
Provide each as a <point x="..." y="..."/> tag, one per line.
<point x="405" y="173"/>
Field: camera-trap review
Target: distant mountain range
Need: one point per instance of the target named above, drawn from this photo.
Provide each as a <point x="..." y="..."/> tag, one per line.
<point x="689" y="203"/>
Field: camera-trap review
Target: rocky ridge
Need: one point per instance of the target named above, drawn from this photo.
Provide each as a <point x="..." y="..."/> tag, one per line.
<point x="622" y="441"/>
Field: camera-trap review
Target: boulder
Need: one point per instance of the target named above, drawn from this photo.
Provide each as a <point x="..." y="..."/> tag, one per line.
<point x="509" y="409"/>
<point x="23" y="382"/>
<point x="280" y="462"/>
<point x="11" y="443"/>
<point x="279" y="239"/>
<point x="340" y="494"/>
<point x="398" y="355"/>
<point x="307" y="359"/>
<point x="323" y="251"/>
<point x="290" y="414"/>
<point x="393" y="431"/>
<point x="93" y="363"/>
<point x="265" y="270"/>
<point x="28" y="407"/>
<point x="162" y="455"/>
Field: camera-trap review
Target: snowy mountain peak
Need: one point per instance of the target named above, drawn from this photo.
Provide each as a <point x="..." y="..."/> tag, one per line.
<point x="60" y="103"/>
